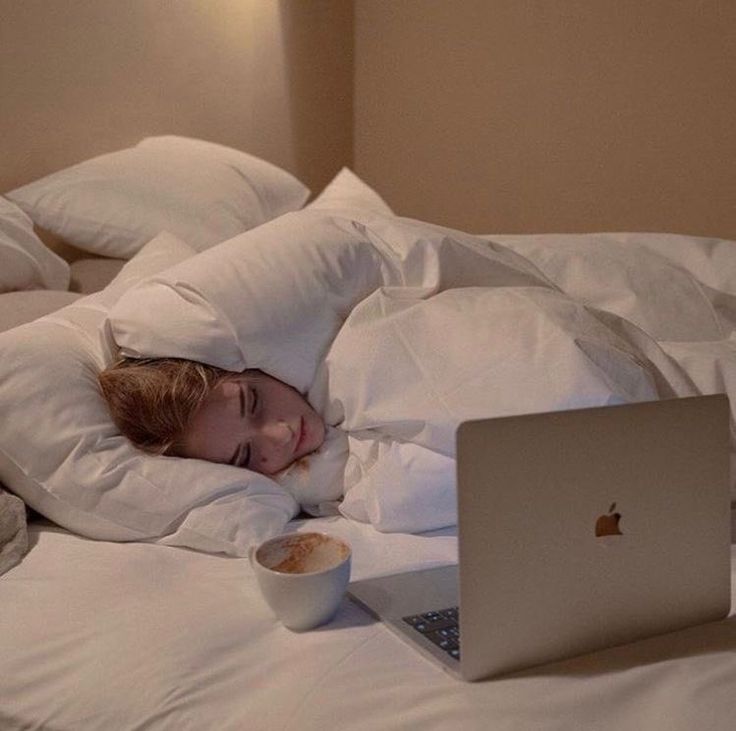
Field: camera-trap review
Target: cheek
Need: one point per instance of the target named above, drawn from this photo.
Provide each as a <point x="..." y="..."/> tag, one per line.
<point x="280" y="405"/>
<point x="204" y="444"/>
<point x="265" y="467"/>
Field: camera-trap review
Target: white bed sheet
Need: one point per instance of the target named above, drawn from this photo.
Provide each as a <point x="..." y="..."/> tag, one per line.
<point x="97" y="635"/>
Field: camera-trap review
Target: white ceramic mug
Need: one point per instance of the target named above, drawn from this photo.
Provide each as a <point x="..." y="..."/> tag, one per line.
<point x="302" y="576"/>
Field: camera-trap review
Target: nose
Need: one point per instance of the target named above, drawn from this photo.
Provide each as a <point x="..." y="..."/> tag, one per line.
<point x="277" y="433"/>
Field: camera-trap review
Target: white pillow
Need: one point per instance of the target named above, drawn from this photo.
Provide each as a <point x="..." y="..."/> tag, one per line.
<point x="348" y="191"/>
<point x="274" y="298"/>
<point x="18" y="308"/>
<point x="25" y="262"/>
<point x="61" y="453"/>
<point x="200" y="191"/>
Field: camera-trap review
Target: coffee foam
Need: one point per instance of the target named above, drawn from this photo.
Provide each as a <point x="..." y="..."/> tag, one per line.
<point x="302" y="553"/>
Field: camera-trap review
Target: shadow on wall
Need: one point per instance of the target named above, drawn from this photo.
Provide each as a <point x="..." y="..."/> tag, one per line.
<point x="273" y="79"/>
<point x="318" y="47"/>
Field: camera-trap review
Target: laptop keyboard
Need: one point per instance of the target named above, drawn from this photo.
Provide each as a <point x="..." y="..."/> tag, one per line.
<point x="440" y="627"/>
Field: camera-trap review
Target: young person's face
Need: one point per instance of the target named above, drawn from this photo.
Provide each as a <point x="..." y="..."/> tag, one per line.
<point x="255" y="421"/>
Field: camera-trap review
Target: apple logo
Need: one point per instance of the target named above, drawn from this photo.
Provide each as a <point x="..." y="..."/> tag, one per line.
<point x="607" y="525"/>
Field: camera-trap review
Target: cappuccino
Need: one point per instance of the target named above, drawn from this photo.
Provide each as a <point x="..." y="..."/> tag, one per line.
<point x="303" y="576"/>
<point x="302" y="553"/>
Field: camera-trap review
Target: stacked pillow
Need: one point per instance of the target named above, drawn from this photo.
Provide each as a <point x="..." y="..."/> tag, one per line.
<point x="200" y="191"/>
<point x="283" y="289"/>
<point x="348" y="191"/>
<point x="61" y="453"/>
<point x="18" y="308"/>
<point x="26" y="262"/>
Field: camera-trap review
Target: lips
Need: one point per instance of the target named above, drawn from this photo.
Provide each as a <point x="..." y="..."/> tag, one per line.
<point x="302" y="437"/>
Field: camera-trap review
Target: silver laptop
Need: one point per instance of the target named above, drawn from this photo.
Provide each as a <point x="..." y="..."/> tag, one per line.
<point x="578" y="530"/>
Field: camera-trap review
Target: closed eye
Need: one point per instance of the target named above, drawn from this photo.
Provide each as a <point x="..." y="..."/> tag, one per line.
<point x="241" y="457"/>
<point x="252" y="401"/>
<point x="245" y="458"/>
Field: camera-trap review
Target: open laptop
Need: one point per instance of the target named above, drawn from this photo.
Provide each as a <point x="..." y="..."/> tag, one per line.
<point x="578" y="530"/>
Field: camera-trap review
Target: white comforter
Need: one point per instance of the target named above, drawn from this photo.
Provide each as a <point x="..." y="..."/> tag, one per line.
<point x="400" y="330"/>
<point x="611" y="320"/>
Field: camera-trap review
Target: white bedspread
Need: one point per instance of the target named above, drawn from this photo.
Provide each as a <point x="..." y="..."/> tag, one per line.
<point x="13" y="531"/>
<point x="611" y="319"/>
<point x="400" y="330"/>
<point x="97" y="636"/>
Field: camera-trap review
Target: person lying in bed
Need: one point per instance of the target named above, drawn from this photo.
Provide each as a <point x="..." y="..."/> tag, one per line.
<point x="183" y="408"/>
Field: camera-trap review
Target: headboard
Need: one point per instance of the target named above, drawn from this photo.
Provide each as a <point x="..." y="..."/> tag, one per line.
<point x="90" y="76"/>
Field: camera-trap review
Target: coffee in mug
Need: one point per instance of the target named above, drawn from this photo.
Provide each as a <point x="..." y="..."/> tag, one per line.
<point x="302" y="576"/>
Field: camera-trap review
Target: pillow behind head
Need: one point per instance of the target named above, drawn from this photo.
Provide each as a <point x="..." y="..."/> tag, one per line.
<point x="348" y="191"/>
<point x="272" y="298"/>
<point x="18" y="308"/>
<point x="200" y="191"/>
<point x="61" y="453"/>
<point x="275" y="297"/>
<point x="25" y="262"/>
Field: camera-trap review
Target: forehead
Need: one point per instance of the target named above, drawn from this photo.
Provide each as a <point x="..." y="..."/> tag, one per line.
<point x="229" y="390"/>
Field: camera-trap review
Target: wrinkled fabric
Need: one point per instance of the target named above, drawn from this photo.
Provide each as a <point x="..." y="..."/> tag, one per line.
<point x="617" y="319"/>
<point x="13" y="531"/>
<point x="399" y="330"/>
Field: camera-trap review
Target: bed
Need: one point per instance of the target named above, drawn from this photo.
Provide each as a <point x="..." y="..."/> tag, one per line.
<point x="134" y="633"/>
<point x="126" y="636"/>
<point x="125" y="598"/>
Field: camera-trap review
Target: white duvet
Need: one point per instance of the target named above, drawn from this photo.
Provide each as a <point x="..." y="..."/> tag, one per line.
<point x="400" y="330"/>
<point x="408" y="366"/>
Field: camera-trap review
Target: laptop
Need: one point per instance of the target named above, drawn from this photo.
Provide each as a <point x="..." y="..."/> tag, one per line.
<point x="577" y="530"/>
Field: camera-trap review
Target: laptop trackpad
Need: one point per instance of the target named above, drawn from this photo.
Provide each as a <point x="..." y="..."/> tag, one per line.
<point x="413" y="592"/>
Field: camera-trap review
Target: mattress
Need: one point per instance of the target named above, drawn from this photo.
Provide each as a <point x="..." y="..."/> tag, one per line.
<point x="97" y="635"/>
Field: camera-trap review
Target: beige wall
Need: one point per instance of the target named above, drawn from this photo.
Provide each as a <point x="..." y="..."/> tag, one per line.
<point x="81" y="77"/>
<point x="489" y="115"/>
<point x="532" y="115"/>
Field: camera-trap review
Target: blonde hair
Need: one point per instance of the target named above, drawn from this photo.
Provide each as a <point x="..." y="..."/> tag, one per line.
<point x="152" y="400"/>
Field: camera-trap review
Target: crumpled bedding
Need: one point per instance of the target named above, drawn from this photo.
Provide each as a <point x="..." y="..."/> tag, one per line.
<point x="462" y="354"/>
<point x="13" y="531"/>
<point x="613" y="319"/>
<point x="418" y="328"/>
